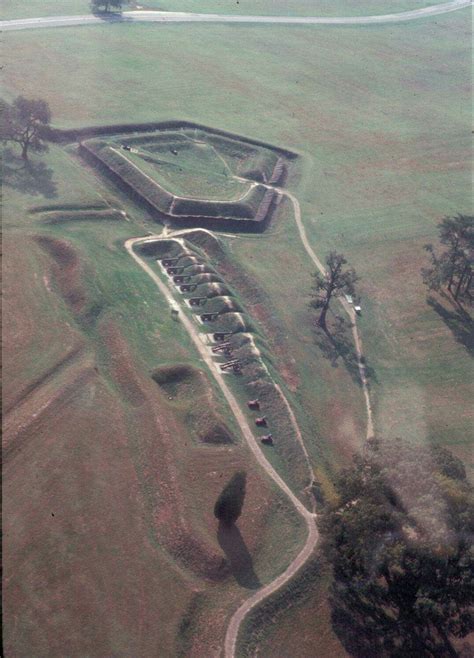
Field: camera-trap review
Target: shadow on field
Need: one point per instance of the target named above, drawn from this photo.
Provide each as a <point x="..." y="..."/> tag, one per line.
<point x="238" y="556"/>
<point x="458" y="321"/>
<point x="337" y="346"/>
<point x="30" y="177"/>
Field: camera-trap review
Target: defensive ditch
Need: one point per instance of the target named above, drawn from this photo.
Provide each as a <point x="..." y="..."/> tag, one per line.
<point x="238" y="160"/>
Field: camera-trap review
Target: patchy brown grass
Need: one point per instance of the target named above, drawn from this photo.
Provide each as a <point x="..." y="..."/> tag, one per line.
<point x="66" y="271"/>
<point x="82" y="574"/>
<point x="36" y="342"/>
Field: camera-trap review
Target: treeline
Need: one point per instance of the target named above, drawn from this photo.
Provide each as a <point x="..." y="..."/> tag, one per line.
<point x="399" y="539"/>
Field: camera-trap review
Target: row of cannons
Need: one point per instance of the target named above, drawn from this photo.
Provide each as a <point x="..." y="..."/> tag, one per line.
<point x="188" y="272"/>
<point x="189" y="275"/>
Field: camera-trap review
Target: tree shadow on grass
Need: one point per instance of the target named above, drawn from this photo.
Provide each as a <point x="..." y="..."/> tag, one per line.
<point x="458" y="320"/>
<point x="238" y="556"/>
<point x="29" y="177"/>
<point x="337" y="346"/>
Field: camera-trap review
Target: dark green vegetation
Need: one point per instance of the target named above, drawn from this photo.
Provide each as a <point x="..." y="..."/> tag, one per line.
<point x="336" y="282"/>
<point x="453" y="268"/>
<point x="106" y="5"/>
<point x="399" y="538"/>
<point x="24" y="122"/>
<point x="229" y="505"/>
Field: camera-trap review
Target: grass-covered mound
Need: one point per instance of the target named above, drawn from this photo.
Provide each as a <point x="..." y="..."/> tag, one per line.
<point x="192" y="177"/>
<point x="189" y="391"/>
<point x="182" y="381"/>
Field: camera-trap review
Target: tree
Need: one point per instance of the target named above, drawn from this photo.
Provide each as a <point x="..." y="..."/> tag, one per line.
<point x="229" y="505"/>
<point x="399" y="538"/>
<point x="452" y="267"/>
<point x="335" y="282"/>
<point x="106" y="4"/>
<point x="24" y="122"/>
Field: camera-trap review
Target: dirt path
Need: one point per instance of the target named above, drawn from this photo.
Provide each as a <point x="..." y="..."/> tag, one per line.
<point x="184" y="17"/>
<point x="347" y="308"/>
<point x="309" y="517"/>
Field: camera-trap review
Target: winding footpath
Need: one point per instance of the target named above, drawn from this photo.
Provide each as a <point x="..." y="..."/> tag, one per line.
<point x="309" y="517"/>
<point x="163" y="17"/>
<point x="347" y="307"/>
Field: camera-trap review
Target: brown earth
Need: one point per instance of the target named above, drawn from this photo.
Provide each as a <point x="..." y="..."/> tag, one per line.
<point x="35" y="343"/>
<point x="109" y="533"/>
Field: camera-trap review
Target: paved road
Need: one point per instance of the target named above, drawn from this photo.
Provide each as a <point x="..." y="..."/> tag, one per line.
<point x="183" y="17"/>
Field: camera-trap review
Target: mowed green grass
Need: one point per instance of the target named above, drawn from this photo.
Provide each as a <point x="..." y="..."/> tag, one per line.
<point x="128" y="300"/>
<point x="381" y="116"/>
<point x="12" y="9"/>
<point x="196" y="171"/>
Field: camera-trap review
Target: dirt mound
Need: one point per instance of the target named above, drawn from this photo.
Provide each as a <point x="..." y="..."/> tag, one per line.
<point x="214" y="431"/>
<point x="121" y="369"/>
<point x="66" y="271"/>
<point x="180" y="380"/>
<point x="206" y="241"/>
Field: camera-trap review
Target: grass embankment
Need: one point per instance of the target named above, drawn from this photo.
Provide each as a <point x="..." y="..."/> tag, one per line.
<point x="247" y="342"/>
<point x="128" y="334"/>
<point x="380" y="180"/>
<point x="373" y="110"/>
<point x="146" y="179"/>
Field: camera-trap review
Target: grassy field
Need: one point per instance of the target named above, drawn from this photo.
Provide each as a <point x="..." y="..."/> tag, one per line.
<point x="381" y="117"/>
<point x="12" y="9"/>
<point x="381" y="169"/>
<point x="107" y="430"/>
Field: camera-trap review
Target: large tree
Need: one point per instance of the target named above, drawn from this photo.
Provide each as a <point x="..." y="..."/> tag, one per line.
<point x="399" y="538"/>
<point x="229" y="505"/>
<point x="336" y="281"/>
<point x="24" y="122"/>
<point x="105" y="5"/>
<point x="452" y="266"/>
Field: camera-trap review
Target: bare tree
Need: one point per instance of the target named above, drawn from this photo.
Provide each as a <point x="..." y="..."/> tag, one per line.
<point x="453" y="267"/>
<point x="336" y="281"/>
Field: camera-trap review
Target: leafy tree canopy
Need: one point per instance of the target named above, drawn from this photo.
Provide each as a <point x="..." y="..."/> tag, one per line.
<point x="24" y="122"/>
<point x="452" y="266"/>
<point x="400" y="542"/>
<point x="336" y="281"/>
<point x="106" y="5"/>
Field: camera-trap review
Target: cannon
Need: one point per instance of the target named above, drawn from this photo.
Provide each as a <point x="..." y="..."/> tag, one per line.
<point x="222" y="335"/>
<point x="267" y="439"/>
<point x="167" y="262"/>
<point x="209" y="317"/>
<point x="261" y="422"/>
<point x="254" y="405"/>
<point x="223" y="347"/>
<point x="197" y="301"/>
